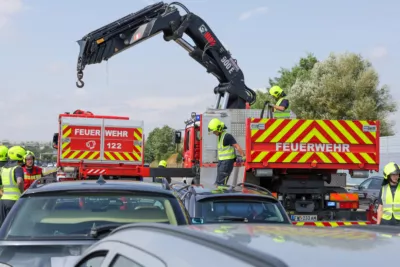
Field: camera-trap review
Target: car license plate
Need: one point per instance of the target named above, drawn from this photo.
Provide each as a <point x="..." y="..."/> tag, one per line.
<point x="304" y="218"/>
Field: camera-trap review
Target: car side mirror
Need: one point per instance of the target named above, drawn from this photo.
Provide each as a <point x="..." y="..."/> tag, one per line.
<point x="196" y="220"/>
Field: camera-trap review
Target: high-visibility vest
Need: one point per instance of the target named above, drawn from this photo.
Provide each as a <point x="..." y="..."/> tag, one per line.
<point x="281" y="114"/>
<point x="390" y="204"/>
<point x="10" y="187"/>
<point x="31" y="175"/>
<point x="225" y="152"/>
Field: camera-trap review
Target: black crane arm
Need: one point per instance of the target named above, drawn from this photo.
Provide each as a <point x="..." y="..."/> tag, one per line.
<point x="130" y="30"/>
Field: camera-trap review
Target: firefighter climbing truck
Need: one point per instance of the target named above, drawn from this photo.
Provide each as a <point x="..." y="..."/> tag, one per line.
<point x="300" y="161"/>
<point x="91" y="145"/>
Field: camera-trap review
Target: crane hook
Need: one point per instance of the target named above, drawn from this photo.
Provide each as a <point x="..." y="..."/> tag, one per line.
<point x="80" y="83"/>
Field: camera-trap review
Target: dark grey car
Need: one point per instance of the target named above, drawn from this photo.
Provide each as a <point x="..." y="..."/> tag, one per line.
<point x="240" y="245"/>
<point x="58" y="219"/>
<point x="368" y="191"/>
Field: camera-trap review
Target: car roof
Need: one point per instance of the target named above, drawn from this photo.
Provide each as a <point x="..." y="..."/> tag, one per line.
<point x="204" y="193"/>
<point x="376" y="177"/>
<point x="311" y="246"/>
<point x="118" y="185"/>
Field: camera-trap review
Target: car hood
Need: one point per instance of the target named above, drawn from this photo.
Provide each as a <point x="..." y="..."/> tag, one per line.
<point x="42" y="253"/>
<point x="309" y="246"/>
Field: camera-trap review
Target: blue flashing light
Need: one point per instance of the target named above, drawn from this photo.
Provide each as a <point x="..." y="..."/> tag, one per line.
<point x="331" y="204"/>
<point x="197" y="117"/>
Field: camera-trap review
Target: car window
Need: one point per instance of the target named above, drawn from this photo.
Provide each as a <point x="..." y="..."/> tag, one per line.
<point x="73" y="215"/>
<point x="121" y="261"/>
<point x="255" y="210"/>
<point x="375" y="184"/>
<point x="365" y="184"/>
<point x="94" y="260"/>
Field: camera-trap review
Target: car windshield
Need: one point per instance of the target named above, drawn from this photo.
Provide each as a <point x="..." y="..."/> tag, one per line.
<point x="76" y="215"/>
<point x="246" y="210"/>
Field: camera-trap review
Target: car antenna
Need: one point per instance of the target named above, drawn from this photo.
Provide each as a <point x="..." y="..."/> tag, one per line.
<point x="101" y="180"/>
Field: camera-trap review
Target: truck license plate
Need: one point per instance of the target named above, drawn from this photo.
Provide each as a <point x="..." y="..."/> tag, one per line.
<point x="304" y="218"/>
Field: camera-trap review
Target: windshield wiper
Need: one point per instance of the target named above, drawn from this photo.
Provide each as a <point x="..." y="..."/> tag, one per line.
<point x="103" y="229"/>
<point x="232" y="219"/>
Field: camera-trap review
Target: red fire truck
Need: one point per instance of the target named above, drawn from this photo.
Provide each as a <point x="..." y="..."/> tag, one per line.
<point x="90" y="145"/>
<point x="300" y="161"/>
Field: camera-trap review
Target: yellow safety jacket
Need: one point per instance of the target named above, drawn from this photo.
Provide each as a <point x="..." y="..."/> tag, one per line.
<point x="10" y="187"/>
<point x="390" y="203"/>
<point x="225" y="152"/>
<point x="281" y="114"/>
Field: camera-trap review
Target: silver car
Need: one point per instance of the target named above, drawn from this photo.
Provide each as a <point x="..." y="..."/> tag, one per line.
<point x="240" y="245"/>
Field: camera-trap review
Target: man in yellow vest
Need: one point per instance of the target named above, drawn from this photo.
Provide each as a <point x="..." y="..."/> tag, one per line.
<point x="281" y="107"/>
<point x="389" y="196"/>
<point x="226" y="151"/>
<point x="12" y="180"/>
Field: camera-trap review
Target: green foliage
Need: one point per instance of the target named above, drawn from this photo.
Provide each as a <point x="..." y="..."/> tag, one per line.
<point x="286" y="79"/>
<point x="343" y="87"/>
<point x="159" y="144"/>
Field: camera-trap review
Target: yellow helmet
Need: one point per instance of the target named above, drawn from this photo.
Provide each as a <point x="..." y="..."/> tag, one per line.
<point x="3" y="153"/>
<point x="275" y="91"/>
<point x="29" y="154"/>
<point x="17" y="153"/>
<point x="215" y="125"/>
<point x="390" y="168"/>
<point x="163" y="163"/>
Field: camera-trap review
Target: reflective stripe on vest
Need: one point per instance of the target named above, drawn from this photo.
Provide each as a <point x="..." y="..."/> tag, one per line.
<point x="10" y="187"/>
<point x="225" y="152"/>
<point x="390" y="204"/>
<point x="34" y="175"/>
<point x="281" y="114"/>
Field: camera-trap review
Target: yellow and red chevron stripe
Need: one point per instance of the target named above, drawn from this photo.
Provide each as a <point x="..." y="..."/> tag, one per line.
<point x="135" y="155"/>
<point x="67" y="153"/>
<point x="329" y="224"/>
<point x="364" y="145"/>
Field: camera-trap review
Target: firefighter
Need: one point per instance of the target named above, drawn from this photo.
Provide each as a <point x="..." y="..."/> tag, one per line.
<point x="389" y="196"/>
<point x="31" y="171"/>
<point x="12" y="180"/>
<point x="162" y="164"/>
<point x="281" y="107"/>
<point x="226" y="151"/>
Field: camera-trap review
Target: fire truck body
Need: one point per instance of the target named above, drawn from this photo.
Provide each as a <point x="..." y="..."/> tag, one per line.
<point x="90" y="145"/>
<point x="300" y="160"/>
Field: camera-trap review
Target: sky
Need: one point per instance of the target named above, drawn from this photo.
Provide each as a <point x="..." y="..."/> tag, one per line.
<point x="156" y="81"/>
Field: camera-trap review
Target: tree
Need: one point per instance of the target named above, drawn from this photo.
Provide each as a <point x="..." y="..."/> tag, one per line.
<point x="343" y="87"/>
<point x="287" y="79"/>
<point x="159" y="144"/>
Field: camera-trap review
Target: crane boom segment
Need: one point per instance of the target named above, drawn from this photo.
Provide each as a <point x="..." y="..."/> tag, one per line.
<point x="110" y="40"/>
